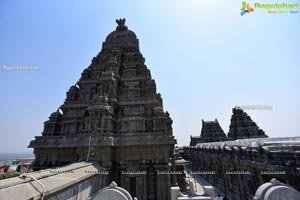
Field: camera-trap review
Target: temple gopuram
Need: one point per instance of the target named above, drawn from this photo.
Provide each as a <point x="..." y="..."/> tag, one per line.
<point x="113" y="115"/>
<point x="112" y="140"/>
<point x="242" y="126"/>
<point x="246" y="160"/>
<point x="211" y="132"/>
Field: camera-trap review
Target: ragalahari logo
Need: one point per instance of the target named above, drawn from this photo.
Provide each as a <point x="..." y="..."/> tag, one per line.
<point x="246" y="8"/>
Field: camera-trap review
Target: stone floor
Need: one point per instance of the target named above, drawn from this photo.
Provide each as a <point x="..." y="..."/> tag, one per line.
<point x="199" y="182"/>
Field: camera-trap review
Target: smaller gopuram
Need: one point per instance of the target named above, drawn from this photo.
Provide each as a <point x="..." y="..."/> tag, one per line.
<point x="211" y="132"/>
<point x="243" y="127"/>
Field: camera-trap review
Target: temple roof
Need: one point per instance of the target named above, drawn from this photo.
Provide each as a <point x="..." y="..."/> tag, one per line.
<point x="212" y="132"/>
<point x="242" y="126"/>
<point x="288" y="142"/>
<point x="121" y="36"/>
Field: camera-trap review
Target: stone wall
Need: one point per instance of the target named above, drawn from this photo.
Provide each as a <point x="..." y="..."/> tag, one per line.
<point x="240" y="170"/>
<point x="80" y="190"/>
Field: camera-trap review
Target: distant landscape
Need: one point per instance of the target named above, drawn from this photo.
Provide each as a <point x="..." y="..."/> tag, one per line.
<point x="12" y="164"/>
<point x="14" y="156"/>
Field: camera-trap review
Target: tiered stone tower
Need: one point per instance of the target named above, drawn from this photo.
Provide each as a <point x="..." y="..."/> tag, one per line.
<point x="115" y="116"/>
<point x="211" y="132"/>
<point x="242" y="126"/>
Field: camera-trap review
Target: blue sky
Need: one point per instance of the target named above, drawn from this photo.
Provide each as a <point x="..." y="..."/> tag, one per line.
<point x="204" y="57"/>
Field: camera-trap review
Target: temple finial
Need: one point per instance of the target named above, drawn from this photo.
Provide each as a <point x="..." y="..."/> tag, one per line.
<point x="121" y="25"/>
<point x="121" y="22"/>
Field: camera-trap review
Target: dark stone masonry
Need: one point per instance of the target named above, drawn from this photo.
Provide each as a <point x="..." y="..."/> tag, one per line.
<point x="240" y="167"/>
<point x="211" y="132"/>
<point x="113" y="115"/>
<point x="241" y="127"/>
<point x="239" y="164"/>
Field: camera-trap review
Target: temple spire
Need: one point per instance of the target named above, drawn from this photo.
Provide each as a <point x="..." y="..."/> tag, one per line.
<point x="243" y="127"/>
<point x="121" y="25"/>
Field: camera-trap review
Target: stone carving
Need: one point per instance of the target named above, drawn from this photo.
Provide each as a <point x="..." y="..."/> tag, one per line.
<point x="242" y="126"/>
<point x="268" y="158"/>
<point x="192" y="195"/>
<point x="211" y="132"/>
<point x="115" y="111"/>
<point x="275" y="190"/>
<point x="112" y="192"/>
<point x="121" y="24"/>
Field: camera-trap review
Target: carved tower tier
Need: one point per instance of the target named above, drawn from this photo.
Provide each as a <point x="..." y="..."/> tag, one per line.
<point x="243" y="127"/>
<point x="113" y="115"/>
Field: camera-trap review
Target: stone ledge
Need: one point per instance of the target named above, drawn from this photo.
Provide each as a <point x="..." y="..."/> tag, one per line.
<point x="16" y="188"/>
<point x="103" y="140"/>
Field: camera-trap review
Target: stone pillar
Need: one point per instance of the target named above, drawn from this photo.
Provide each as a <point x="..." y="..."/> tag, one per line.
<point x="144" y="178"/>
<point x="163" y="185"/>
<point x="139" y="187"/>
<point x="151" y="184"/>
<point x="102" y="122"/>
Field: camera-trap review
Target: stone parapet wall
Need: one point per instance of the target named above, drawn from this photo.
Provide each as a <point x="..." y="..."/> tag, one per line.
<point x="75" y="181"/>
<point x="240" y="170"/>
